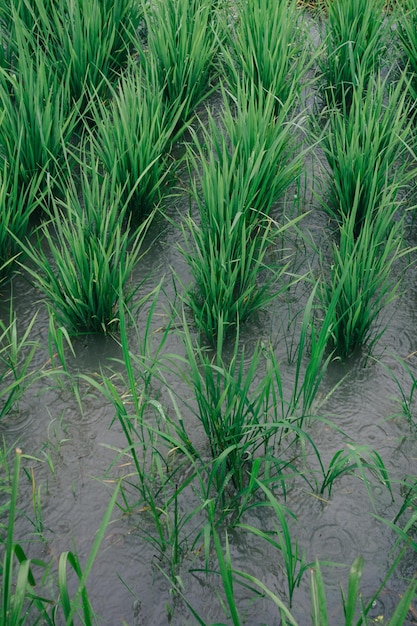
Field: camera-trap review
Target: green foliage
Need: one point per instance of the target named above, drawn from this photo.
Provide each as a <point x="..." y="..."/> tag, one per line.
<point x="266" y="46"/>
<point x="360" y="283"/>
<point x="17" y="204"/>
<point x="36" y="120"/>
<point x="132" y="137"/>
<point x="231" y="407"/>
<point x="20" y="590"/>
<point x="313" y="348"/>
<point x="259" y="142"/>
<point x="91" y="254"/>
<point x="233" y="189"/>
<point x="406" y="14"/>
<point x="355" y="43"/>
<point x="16" y="355"/>
<point x="356" y="458"/>
<point x="87" y="41"/>
<point x="366" y="147"/>
<point x="320" y="615"/>
<point x="183" y="43"/>
<point x="294" y="562"/>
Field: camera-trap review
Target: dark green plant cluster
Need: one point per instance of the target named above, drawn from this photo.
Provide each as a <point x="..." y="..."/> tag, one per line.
<point x="356" y="37"/>
<point x="96" y="122"/>
<point x="366" y="142"/>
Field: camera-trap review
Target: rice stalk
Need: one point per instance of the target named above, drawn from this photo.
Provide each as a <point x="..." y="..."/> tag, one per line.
<point x="17" y="205"/>
<point x="88" y="41"/>
<point x="231" y="407"/>
<point x="37" y="120"/>
<point x="16" y="355"/>
<point x="406" y="42"/>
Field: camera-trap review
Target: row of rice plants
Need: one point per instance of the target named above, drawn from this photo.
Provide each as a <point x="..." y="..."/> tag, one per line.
<point x="249" y="165"/>
<point x="366" y="141"/>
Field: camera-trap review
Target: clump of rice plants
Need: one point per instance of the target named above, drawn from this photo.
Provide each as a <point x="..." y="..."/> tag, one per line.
<point x="87" y="41"/>
<point x="366" y="148"/>
<point x="261" y="139"/>
<point x="232" y="410"/>
<point x="266" y="46"/>
<point x="133" y="135"/>
<point x="17" y="204"/>
<point x="233" y="189"/>
<point x="355" y="42"/>
<point x="36" y="120"/>
<point x="183" y="42"/>
<point x="91" y="254"/>
<point x="360" y="284"/>
<point x="406" y="14"/>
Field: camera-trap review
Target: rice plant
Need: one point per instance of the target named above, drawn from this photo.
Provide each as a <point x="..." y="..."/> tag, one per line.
<point x="267" y="46"/>
<point x="360" y="283"/>
<point x="294" y="562"/>
<point x="36" y="121"/>
<point x="17" y="204"/>
<point x="366" y="148"/>
<point x="320" y="616"/>
<point x="355" y="43"/>
<point x="133" y="135"/>
<point x="86" y="41"/>
<point x="356" y="458"/>
<point x="226" y="245"/>
<point x="259" y="138"/>
<point x="406" y="14"/>
<point x="91" y="254"/>
<point x="312" y="347"/>
<point x="406" y="399"/>
<point x="232" y="409"/>
<point x="183" y="43"/>
<point x="16" y="354"/>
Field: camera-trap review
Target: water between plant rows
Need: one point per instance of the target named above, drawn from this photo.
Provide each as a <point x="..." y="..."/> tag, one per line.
<point x="81" y="446"/>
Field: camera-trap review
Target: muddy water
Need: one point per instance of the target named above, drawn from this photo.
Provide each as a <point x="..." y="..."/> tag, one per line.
<point x="127" y="584"/>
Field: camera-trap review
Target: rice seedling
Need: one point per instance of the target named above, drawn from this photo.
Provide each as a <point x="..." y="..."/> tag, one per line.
<point x="355" y="43"/>
<point x="17" y="204"/>
<point x="320" y="615"/>
<point x="366" y="148"/>
<point x="231" y="407"/>
<point x="133" y="135"/>
<point x="88" y="41"/>
<point x="406" y="399"/>
<point x="259" y="138"/>
<point x="36" y="121"/>
<point x="267" y="46"/>
<point x="299" y="405"/>
<point x="360" y="283"/>
<point x="20" y="601"/>
<point x="294" y="562"/>
<point x="226" y="248"/>
<point x="16" y="355"/>
<point x="360" y="458"/>
<point x="406" y="19"/>
<point x="91" y="254"/>
<point x="183" y="43"/>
